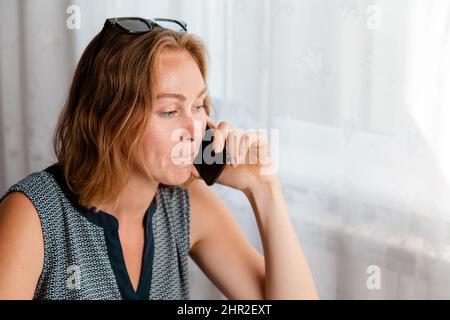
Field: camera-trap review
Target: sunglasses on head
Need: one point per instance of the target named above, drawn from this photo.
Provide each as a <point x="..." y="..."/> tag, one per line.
<point x="136" y="26"/>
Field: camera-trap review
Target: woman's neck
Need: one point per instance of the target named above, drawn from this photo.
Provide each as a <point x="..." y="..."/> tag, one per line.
<point x="133" y="201"/>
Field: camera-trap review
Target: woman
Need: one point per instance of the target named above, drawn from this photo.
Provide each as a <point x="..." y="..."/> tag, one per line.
<point x="116" y="217"/>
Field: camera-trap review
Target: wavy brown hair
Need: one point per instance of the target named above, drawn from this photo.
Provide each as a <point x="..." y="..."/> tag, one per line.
<point x="98" y="138"/>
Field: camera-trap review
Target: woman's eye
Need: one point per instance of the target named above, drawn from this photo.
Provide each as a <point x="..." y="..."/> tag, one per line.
<point x="168" y="114"/>
<point x="199" y="108"/>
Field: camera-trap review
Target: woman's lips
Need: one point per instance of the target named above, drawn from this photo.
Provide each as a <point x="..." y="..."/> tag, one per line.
<point x="184" y="160"/>
<point x="189" y="156"/>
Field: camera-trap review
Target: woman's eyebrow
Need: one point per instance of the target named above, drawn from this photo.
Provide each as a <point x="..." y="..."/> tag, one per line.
<point x="178" y="96"/>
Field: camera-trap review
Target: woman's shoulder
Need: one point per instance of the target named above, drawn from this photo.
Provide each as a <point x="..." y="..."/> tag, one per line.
<point x="34" y="188"/>
<point x="16" y="201"/>
<point x="32" y="193"/>
<point x="17" y="211"/>
<point x="35" y="182"/>
<point x="22" y="255"/>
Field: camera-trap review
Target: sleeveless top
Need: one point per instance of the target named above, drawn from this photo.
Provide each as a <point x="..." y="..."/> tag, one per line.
<point x="83" y="257"/>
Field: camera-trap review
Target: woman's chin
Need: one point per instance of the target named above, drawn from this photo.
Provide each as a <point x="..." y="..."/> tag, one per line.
<point x="179" y="175"/>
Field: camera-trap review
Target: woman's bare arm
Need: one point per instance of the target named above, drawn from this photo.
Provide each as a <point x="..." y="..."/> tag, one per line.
<point x="21" y="247"/>
<point x="220" y="249"/>
<point x="237" y="269"/>
<point x="287" y="272"/>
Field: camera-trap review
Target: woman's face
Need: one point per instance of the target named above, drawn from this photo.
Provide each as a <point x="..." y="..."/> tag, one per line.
<point x="177" y="122"/>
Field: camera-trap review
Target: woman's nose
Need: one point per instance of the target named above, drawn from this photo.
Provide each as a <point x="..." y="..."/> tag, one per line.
<point x="190" y="126"/>
<point x="189" y="129"/>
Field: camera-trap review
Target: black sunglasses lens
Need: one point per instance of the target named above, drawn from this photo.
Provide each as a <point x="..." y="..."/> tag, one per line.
<point x="134" y="25"/>
<point x="172" y="25"/>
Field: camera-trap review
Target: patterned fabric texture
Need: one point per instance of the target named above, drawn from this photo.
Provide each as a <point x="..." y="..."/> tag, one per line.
<point x="76" y="262"/>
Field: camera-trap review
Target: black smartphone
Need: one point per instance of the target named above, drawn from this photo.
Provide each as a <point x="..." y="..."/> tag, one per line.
<point x="208" y="163"/>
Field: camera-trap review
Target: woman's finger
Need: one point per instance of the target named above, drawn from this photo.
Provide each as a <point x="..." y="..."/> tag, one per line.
<point x="217" y="138"/>
<point x="233" y="146"/>
<point x="247" y="140"/>
<point x="220" y="135"/>
<point x="264" y="156"/>
<point x="210" y="121"/>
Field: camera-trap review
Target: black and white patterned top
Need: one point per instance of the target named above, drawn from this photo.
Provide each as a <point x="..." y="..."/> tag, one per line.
<point x="83" y="257"/>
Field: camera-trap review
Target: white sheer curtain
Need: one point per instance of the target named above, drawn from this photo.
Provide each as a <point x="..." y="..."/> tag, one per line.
<point x="360" y="93"/>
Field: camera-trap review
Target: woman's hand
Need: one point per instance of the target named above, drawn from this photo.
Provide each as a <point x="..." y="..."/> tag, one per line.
<point x="250" y="164"/>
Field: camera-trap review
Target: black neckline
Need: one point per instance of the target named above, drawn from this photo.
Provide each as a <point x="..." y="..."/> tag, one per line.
<point x="117" y="259"/>
<point x="110" y="226"/>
